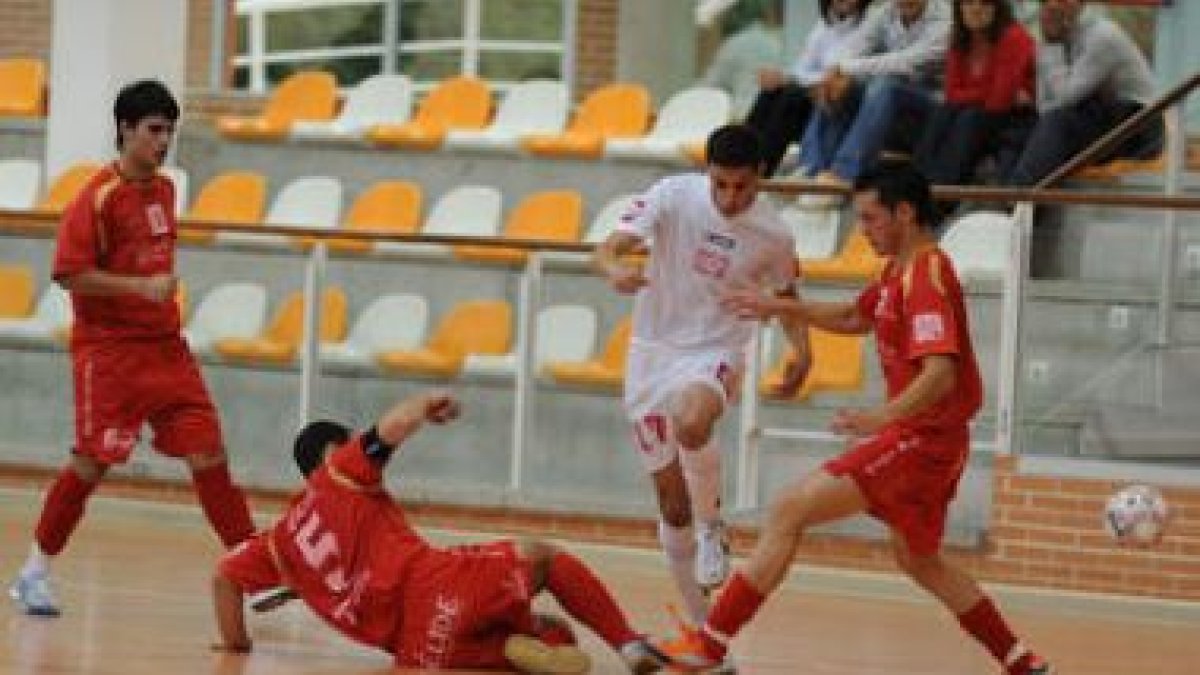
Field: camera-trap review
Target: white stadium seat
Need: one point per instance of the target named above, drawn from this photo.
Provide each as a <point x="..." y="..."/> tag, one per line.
<point x="393" y="321"/>
<point x="379" y="99"/>
<point x="231" y="310"/>
<point x="687" y="118"/>
<point x="20" y="180"/>
<point x="815" y="231"/>
<point x="49" y="324"/>
<point x="533" y="107"/>
<point x="564" y="333"/>
<point x="312" y="202"/>
<point x="979" y="244"/>
<point x="465" y="211"/>
<point x="179" y="177"/>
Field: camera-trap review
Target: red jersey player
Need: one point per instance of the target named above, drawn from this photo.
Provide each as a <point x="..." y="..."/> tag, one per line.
<point x="116" y="257"/>
<point x="906" y="455"/>
<point x="345" y="548"/>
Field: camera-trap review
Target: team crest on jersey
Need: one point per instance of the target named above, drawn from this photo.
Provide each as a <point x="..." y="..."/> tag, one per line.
<point x="928" y="327"/>
<point x="720" y="240"/>
<point x="157" y="218"/>
<point x="711" y="263"/>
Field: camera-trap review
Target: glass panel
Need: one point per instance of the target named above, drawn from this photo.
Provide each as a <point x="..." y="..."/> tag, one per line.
<point x="241" y="77"/>
<point x="431" y="20"/>
<point x="242" y="37"/>
<point x="430" y="66"/>
<point x="316" y="28"/>
<point x="515" y="66"/>
<point x="349" y="71"/>
<point x="536" y="20"/>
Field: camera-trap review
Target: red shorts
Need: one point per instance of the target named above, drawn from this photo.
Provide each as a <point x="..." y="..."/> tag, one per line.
<point x="460" y="606"/>
<point x="909" y="478"/>
<point x="120" y="387"/>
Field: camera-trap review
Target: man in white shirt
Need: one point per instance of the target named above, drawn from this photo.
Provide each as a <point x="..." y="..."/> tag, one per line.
<point x="707" y="233"/>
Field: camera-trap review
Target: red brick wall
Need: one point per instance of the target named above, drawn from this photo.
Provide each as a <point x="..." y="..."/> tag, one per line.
<point x="25" y="28"/>
<point x="595" y="45"/>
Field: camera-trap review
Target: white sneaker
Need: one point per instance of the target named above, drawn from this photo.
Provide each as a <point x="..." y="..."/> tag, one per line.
<point x="34" y="594"/>
<point x="712" y="554"/>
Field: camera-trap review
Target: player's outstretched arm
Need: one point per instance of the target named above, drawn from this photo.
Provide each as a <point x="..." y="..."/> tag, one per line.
<point x="157" y="287"/>
<point x="406" y="417"/>
<point x="800" y="361"/>
<point x="611" y="260"/>
<point x="834" y="317"/>
<point x="936" y="379"/>
<point x="231" y="618"/>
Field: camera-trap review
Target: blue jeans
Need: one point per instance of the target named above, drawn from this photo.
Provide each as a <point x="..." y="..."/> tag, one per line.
<point x="847" y="138"/>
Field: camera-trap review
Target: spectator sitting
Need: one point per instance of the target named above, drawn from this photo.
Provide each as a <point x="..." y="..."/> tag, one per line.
<point x="989" y="93"/>
<point x="1091" y="77"/>
<point x="737" y="61"/>
<point x="888" y="72"/>
<point x="784" y="101"/>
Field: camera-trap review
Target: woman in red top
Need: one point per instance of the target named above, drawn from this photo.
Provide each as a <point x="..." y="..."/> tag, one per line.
<point x="989" y="92"/>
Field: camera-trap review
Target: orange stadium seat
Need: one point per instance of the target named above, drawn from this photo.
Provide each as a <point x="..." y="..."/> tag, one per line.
<point x="66" y="186"/>
<point x="472" y="327"/>
<point x="555" y="215"/>
<point x="606" y="371"/>
<point x="456" y="103"/>
<point x="22" y="88"/>
<point x="307" y="95"/>
<point x="837" y="365"/>
<point x="855" y="261"/>
<point x="386" y="206"/>
<point x="16" y="291"/>
<point x="613" y="111"/>
<point x="279" y="343"/>
<point x="233" y="197"/>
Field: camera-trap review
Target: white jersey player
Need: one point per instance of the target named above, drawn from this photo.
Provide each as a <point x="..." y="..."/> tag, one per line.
<point x="709" y="233"/>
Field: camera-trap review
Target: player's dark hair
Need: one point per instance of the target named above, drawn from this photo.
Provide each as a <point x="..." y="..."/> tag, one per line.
<point x="142" y="99"/>
<point x="734" y="146"/>
<point x="312" y="442"/>
<point x="897" y="182"/>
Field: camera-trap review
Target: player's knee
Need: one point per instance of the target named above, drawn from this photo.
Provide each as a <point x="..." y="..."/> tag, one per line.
<point x="693" y="430"/>
<point x="789" y="513"/>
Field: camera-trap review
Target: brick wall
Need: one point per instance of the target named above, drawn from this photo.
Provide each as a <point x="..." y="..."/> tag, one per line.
<point x="596" y="45"/>
<point x="25" y="28"/>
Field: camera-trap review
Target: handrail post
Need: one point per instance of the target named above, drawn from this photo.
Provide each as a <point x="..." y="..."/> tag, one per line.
<point x="527" y="300"/>
<point x="746" y="495"/>
<point x="314" y="279"/>
<point x="1012" y="312"/>
<point x="1169" y="262"/>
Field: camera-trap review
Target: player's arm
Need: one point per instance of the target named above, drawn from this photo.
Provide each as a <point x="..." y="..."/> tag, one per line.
<point x="611" y="259"/>
<point x="936" y="379"/>
<point x="800" y="360"/>
<point x="228" y="601"/>
<point x="156" y="287"/>
<point x="834" y="317"/>
<point x="409" y="415"/>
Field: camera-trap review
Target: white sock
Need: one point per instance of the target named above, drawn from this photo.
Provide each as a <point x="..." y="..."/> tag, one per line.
<point x="37" y="564"/>
<point x="679" y="543"/>
<point x="702" y="471"/>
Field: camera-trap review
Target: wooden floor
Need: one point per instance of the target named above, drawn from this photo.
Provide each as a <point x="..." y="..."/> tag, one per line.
<point x="134" y="586"/>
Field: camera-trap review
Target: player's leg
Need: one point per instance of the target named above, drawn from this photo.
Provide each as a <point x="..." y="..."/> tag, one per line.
<point x="963" y="596"/>
<point x="583" y="596"/>
<point x="696" y="409"/>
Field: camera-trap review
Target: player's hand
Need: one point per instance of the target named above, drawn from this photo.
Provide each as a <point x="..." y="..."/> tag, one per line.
<point x="626" y="279"/>
<point x="837" y="84"/>
<point x="794" y="375"/>
<point x="858" y="422"/>
<point x="158" y="287"/>
<point x="771" y="78"/>
<point x="748" y="302"/>
<point x="441" y="407"/>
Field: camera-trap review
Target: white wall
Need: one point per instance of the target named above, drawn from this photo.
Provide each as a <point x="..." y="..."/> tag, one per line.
<point x="97" y="47"/>
<point x="656" y="45"/>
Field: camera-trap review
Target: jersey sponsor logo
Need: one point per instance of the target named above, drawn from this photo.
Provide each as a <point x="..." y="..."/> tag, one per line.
<point x="720" y="240"/>
<point x="928" y="327"/>
<point x="156" y="216"/>
<point x="439" y="637"/>
<point x="711" y="263"/>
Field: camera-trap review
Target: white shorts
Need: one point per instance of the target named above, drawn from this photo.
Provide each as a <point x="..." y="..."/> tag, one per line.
<point x="654" y="375"/>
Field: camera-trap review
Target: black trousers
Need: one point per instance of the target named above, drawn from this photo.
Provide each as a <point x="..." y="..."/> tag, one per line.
<point x="957" y="138"/>
<point x="779" y="115"/>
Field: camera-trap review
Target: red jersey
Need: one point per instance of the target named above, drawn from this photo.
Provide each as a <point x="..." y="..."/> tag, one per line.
<point x="343" y="545"/>
<point x="995" y="82"/>
<point x="125" y="227"/>
<point x="916" y="312"/>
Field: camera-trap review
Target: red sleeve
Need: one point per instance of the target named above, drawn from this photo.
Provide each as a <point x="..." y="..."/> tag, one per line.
<point x="78" y="246"/>
<point x="351" y="461"/>
<point x="1013" y="69"/>
<point x="958" y="88"/>
<point x="250" y="565"/>
<point x="867" y="299"/>
<point x="929" y="310"/>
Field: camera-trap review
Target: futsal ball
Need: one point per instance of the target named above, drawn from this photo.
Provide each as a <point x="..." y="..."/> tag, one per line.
<point x="1136" y="515"/>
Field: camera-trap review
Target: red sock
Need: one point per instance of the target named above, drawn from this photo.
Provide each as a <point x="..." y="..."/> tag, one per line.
<point x="739" y="602"/>
<point x="585" y="597"/>
<point x="987" y="626"/>
<point x="223" y="503"/>
<point x="62" y="510"/>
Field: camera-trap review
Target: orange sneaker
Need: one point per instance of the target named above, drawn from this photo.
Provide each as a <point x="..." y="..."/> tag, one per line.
<point x="687" y="653"/>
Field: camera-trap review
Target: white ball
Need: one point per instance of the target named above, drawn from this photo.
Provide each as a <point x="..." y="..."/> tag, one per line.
<point x="1136" y="514"/>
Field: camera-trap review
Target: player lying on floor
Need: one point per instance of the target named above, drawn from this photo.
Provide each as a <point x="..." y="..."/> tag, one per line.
<point x="346" y="549"/>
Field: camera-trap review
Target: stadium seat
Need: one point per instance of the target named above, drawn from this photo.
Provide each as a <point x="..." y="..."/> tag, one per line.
<point x="313" y="202"/>
<point x="379" y="99"/>
<point x="386" y="206"/>
<point x="979" y="245"/>
<point x="533" y="107"/>
<point x="855" y="261"/>
<point x="278" y="344"/>
<point x="815" y="231"/>
<point x="695" y="153"/>
<point x="554" y="215"/>
<point x="456" y="103"/>
<point x="391" y="322"/>
<point x="465" y="211"/>
<point x="22" y="88"/>
<point x="837" y="365"/>
<point x="473" y="327"/>
<point x="1114" y="171"/>
<point x="229" y="310"/>
<point x="563" y="333"/>
<point x="307" y="95"/>
<point x="613" y="111"/>
<point x="65" y="186"/>
<point x="49" y="324"/>
<point x="608" y="218"/>
<point x="16" y="291"/>
<point x="179" y="179"/>
<point x="686" y="119"/>
<point x="19" y="183"/>
<point x="607" y="371"/>
<point x="234" y="197"/>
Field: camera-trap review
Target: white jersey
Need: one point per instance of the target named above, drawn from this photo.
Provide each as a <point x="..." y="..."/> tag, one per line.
<point x="696" y="254"/>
